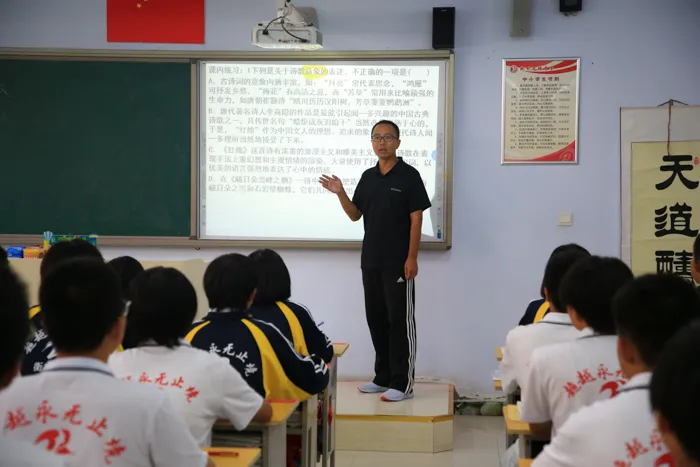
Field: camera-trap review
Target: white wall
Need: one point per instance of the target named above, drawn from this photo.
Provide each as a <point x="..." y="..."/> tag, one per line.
<point x="634" y="53"/>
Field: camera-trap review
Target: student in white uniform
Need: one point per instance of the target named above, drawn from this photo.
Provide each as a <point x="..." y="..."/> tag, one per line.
<point x="565" y="377"/>
<point x="554" y="328"/>
<point x="621" y="431"/>
<point x="675" y="386"/>
<point x="203" y="387"/>
<point x="14" y="323"/>
<point x="76" y="408"/>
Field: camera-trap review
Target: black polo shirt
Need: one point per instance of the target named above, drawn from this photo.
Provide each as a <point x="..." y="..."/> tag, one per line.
<point x="386" y="203"/>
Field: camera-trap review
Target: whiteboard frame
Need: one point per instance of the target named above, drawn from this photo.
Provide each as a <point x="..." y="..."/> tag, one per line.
<point x="193" y="57"/>
<point x="319" y="243"/>
<point x="648" y="125"/>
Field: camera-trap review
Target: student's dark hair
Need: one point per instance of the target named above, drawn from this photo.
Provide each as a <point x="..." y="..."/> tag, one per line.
<point x="561" y="249"/>
<point x="651" y="309"/>
<point x="126" y="268"/>
<point x="163" y="306"/>
<point x="675" y="383"/>
<point x="229" y="281"/>
<point x="80" y="300"/>
<point x="391" y="124"/>
<point x="557" y="266"/>
<point x="3" y="256"/>
<point x="14" y="320"/>
<point x="589" y="287"/>
<point x="68" y="249"/>
<point x="696" y="248"/>
<point x="273" y="281"/>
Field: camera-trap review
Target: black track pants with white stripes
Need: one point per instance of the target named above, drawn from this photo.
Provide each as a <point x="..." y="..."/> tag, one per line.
<point x="390" y="305"/>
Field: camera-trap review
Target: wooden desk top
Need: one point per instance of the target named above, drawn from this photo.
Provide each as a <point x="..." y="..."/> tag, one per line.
<point x="498" y="385"/>
<point x="339" y="349"/>
<point x="281" y="411"/>
<point x="499" y="353"/>
<point x="524" y="462"/>
<point x="514" y="426"/>
<point x="246" y="457"/>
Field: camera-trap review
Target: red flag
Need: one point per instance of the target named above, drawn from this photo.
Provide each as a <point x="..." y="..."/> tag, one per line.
<point x="161" y="21"/>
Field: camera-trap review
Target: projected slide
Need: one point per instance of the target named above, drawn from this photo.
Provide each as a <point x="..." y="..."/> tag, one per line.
<point x="269" y="130"/>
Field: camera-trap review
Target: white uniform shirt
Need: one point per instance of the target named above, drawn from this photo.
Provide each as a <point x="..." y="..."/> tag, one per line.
<point x="14" y="453"/>
<point x="202" y="386"/>
<point x="523" y="340"/>
<point x="78" y="410"/>
<point x="619" y="432"/>
<point x="566" y="377"/>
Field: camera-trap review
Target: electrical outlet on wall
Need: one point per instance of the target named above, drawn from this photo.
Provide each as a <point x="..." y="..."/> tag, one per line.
<point x="566" y="219"/>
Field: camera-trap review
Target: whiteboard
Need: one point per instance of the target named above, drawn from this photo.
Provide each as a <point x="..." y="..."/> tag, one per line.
<point x="642" y="125"/>
<point x="268" y="129"/>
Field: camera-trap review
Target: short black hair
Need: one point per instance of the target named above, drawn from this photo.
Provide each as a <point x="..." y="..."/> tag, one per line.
<point x="3" y="255"/>
<point x="651" y="309"/>
<point x="65" y="250"/>
<point x="229" y="281"/>
<point x="126" y="268"/>
<point x="675" y="382"/>
<point x="14" y="320"/>
<point x="80" y="300"/>
<point x="561" y="249"/>
<point x="554" y="272"/>
<point x="696" y="248"/>
<point x="163" y="306"/>
<point x="273" y="281"/>
<point x="390" y="123"/>
<point x="589" y="287"/>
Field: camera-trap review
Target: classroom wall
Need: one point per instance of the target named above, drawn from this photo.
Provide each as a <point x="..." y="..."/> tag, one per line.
<point x="634" y="53"/>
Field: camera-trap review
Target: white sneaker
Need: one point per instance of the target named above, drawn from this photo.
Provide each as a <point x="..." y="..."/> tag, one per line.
<point x="371" y="388"/>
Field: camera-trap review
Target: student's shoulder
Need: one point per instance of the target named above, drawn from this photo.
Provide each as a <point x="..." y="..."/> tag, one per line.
<point x="553" y="352"/>
<point x="299" y="308"/>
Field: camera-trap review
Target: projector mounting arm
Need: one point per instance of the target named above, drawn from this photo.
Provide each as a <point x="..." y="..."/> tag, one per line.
<point x="288" y="13"/>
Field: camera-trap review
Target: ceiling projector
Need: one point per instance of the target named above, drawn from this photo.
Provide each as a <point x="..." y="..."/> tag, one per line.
<point x="292" y="29"/>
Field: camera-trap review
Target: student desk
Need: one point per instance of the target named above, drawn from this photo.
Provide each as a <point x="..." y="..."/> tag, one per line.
<point x="499" y="354"/>
<point x="524" y="462"/>
<point x="329" y="401"/>
<point x="274" y="433"/>
<point x="514" y="426"/>
<point x="245" y="457"/>
<point x="308" y="431"/>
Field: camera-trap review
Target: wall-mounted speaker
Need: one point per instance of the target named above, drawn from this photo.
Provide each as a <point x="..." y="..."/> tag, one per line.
<point x="521" y="14"/>
<point x="443" y="28"/>
<point x="570" y="6"/>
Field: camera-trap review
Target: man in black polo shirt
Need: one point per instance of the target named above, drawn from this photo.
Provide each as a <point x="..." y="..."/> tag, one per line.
<point x="391" y="198"/>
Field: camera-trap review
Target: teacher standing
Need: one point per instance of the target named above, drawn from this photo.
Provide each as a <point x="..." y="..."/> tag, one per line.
<point x="390" y="198"/>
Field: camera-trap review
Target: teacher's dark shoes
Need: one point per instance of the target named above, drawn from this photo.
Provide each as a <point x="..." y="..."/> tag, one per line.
<point x="371" y="388"/>
<point x="394" y="395"/>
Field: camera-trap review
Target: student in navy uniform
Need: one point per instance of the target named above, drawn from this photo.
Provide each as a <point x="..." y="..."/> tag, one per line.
<point x="14" y="323"/>
<point x="126" y="268"/>
<point x="538" y="309"/>
<point x="257" y="349"/>
<point x="272" y="304"/>
<point x="39" y="348"/>
<point x="675" y="386"/>
<point x="390" y="198"/>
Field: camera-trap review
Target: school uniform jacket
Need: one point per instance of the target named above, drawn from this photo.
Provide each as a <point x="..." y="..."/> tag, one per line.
<point x="261" y="354"/>
<point x="617" y="432"/>
<point x="535" y="311"/>
<point x="523" y="340"/>
<point x="298" y="326"/>
<point x="39" y="349"/>
<point x="564" y="378"/>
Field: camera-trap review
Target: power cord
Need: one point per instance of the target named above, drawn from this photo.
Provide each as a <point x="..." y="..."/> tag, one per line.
<point x="302" y="40"/>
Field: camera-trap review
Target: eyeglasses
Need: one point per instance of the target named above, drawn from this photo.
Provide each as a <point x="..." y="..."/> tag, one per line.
<point x="387" y="138"/>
